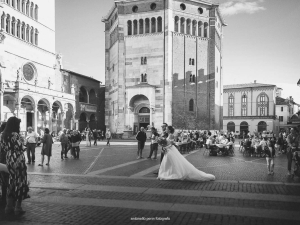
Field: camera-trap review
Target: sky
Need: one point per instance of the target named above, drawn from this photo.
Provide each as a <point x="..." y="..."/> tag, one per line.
<point x="261" y="41"/>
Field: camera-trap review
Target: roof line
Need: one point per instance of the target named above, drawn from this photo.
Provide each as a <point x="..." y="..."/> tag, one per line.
<point x="78" y="74"/>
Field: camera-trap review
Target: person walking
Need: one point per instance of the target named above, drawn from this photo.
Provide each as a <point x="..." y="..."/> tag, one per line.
<point x="270" y="153"/>
<point x="293" y="143"/>
<point x="108" y="136"/>
<point x="88" y="137"/>
<point x="47" y="147"/>
<point x="13" y="146"/>
<point x="95" y="135"/>
<point x="64" y="144"/>
<point x="154" y="143"/>
<point x="31" y="140"/>
<point x="141" y="137"/>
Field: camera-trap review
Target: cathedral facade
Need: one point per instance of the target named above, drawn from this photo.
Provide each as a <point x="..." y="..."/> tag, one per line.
<point x="163" y="64"/>
<point x="32" y="86"/>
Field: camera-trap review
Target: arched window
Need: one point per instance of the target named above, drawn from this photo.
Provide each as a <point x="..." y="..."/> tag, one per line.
<point x="193" y="62"/>
<point x="31" y="35"/>
<point x="262" y="105"/>
<point x="36" y="37"/>
<point x="142" y="60"/>
<point x="7" y="29"/>
<point x="147" y="26"/>
<point x="141" y="26"/>
<point x="83" y="97"/>
<point x="145" y="77"/>
<point x="244" y="127"/>
<point x="191" y="105"/>
<point x="92" y="97"/>
<point x="159" y="24"/>
<point x="244" y="105"/>
<point x="13" y="26"/>
<point x="262" y="126"/>
<point x="36" y="12"/>
<point x="194" y="78"/>
<point x="8" y="2"/>
<point x="135" y="27"/>
<point x="153" y="25"/>
<point x="27" y="8"/>
<point x="145" y="60"/>
<point x="144" y="110"/>
<point x="182" y="21"/>
<point x="194" y="27"/>
<point x="200" y="27"/>
<point x="18" y="28"/>
<point x="27" y="33"/>
<point x="13" y="4"/>
<point x="231" y="105"/>
<point x="18" y="5"/>
<point x="205" y="29"/>
<point x="190" y="61"/>
<point x="31" y="9"/>
<point x="129" y="27"/>
<point x="188" y="26"/>
<point x="176" y="24"/>
<point x="23" y="6"/>
<point x="23" y="31"/>
<point x="2" y="21"/>
<point x="231" y="126"/>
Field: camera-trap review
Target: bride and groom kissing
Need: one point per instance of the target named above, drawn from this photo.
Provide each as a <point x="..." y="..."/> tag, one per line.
<point x="173" y="165"/>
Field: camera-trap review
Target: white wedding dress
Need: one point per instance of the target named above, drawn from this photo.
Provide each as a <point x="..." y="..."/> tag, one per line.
<point x="176" y="167"/>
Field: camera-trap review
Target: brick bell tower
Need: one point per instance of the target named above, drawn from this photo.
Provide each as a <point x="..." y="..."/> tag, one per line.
<point x="163" y="64"/>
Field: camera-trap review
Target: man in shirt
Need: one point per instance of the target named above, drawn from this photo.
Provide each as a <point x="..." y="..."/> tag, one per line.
<point x="141" y="137"/>
<point x="31" y="139"/>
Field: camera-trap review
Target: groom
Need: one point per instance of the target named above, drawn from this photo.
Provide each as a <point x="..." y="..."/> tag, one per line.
<point x="164" y="134"/>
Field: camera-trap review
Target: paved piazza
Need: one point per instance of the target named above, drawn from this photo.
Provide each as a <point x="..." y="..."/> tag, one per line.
<point x="108" y="185"/>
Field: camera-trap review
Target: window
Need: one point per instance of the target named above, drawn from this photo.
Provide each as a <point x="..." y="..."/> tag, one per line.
<point x="31" y="35"/>
<point x="135" y="27"/>
<point x="147" y="26"/>
<point x="18" y="5"/>
<point x="159" y="24"/>
<point x="28" y="72"/>
<point x="153" y="6"/>
<point x="153" y="25"/>
<point x="36" y="12"/>
<point x="182" y="6"/>
<point x="135" y="9"/>
<point x="176" y="24"/>
<point x="27" y="8"/>
<point x="141" y="26"/>
<point x="27" y="33"/>
<point x="18" y="28"/>
<point x="194" y="79"/>
<point x="231" y="105"/>
<point x="244" y="105"/>
<point x="281" y="109"/>
<point x="231" y="126"/>
<point x="190" y="61"/>
<point x="129" y="27"/>
<point x="244" y="112"/>
<point x="144" y="78"/>
<point x="13" y="4"/>
<point x="200" y="25"/>
<point x="280" y="118"/>
<point x="191" y="105"/>
<point x="182" y="22"/>
<point x="13" y="26"/>
<point x="144" y="110"/>
<point x="206" y="30"/>
<point x="31" y="10"/>
<point x="188" y="26"/>
<point x="193" y="62"/>
<point x="194" y="27"/>
<point x="2" y="21"/>
<point x="142" y="60"/>
<point x="262" y="105"/>
<point x="36" y="38"/>
<point x="145" y="60"/>
<point x="200" y="10"/>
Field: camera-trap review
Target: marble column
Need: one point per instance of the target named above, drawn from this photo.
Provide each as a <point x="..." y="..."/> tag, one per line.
<point x="62" y="115"/>
<point x="36" y="111"/>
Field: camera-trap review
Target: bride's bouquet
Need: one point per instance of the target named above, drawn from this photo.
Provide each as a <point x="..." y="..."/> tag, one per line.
<point x="163" y="142"/>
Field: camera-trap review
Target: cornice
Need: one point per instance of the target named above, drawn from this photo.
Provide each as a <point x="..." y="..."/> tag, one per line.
<point x="247" y="117"/>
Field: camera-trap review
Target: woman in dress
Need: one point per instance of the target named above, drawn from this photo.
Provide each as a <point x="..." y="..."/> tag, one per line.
<point x="176" y="167"/>
<point x="3" y="170"/>
<point x="12" y="146"/>
<point x="47" y="147"/>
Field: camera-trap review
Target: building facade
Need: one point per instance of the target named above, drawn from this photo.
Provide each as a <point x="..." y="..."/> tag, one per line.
<point x="163" y="64"/>
<point x="31" y="82"/>
<point x="90" y="99"/>
<point x="250" y="107"/>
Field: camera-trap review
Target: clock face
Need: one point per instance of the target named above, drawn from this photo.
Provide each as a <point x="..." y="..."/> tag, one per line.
<point x="28" y="72"/>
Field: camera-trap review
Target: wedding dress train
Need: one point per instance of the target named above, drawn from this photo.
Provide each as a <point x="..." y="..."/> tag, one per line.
<point x="176" y="167"/>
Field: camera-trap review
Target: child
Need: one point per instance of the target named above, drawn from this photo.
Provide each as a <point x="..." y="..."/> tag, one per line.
<point x="270" y="153"/>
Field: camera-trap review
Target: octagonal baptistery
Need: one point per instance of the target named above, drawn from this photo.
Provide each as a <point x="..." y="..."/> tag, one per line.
<point x="163" y="64"/>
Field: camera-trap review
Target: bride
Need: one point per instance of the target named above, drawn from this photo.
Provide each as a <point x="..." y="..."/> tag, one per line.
<point x="176" y="167"/>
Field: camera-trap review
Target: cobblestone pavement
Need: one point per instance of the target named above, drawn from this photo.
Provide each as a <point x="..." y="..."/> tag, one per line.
<point x="109" y="186"/>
